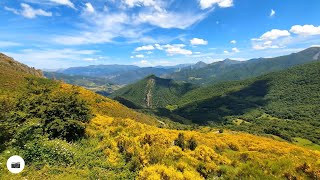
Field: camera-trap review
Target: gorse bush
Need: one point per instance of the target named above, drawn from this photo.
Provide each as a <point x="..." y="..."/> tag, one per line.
<point x="44" y="109"/>
<point x="61" y="113"/>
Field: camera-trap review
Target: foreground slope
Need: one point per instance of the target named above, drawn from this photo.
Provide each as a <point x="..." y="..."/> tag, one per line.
<point x="67" y="132"/>
<point x="124" y="149"/>
<point x="236" y="70"/>
<point x="151" y="92"/>
<point x="285" y="103"/>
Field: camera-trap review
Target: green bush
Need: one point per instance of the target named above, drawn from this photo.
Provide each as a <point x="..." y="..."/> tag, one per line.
<point x="192" y="144"/>
<point x="62" y="113"/>
<point x="180" y="141"/>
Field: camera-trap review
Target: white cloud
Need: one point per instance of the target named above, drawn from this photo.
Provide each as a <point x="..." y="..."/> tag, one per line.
<point x="272" y="13"/>
<point x="12" y="10"/>
<point x="64" y="2"/>
<point x="139" y="56"/>
<point x="156" y="4"/>
<point x="233" y="42"/>
<point x="143" y="63"/>
<point x="158" y="46"/>
<point x="205" y="4"/>
<point x="28" y="12"/>
<point x="266" y="45"/>
<point x="105" y="26"/>
<point x="197" y="41"/>
<point x="8" y="44"/>
<point x="306" y="30"/>
<point x="89" y="8"/>
<point x="273" y="35"/>
<point x="145" y="48"/>
<point x="236" y="50"/>
<point x="178" y="50"/>
<point x="226" y="52"/>
<point x="175" y="49"/>
<point x="168" y="20"/>
<point x="90" y="59"/>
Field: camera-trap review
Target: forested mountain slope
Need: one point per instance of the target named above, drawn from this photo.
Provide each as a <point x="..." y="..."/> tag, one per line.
<point x="286" y="101"/>
<point x="152" y="92"/>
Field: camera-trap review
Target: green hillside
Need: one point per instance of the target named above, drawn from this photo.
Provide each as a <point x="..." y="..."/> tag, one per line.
<point x="229" y="70"/>
<point x="151" y="92"/>
<point x="285" y="103"/>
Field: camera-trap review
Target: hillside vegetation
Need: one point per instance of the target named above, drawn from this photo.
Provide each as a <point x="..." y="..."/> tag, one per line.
<point x="285" y="103"/>
<point x="229" y="70"/>
<point x="152" y="92"/>
<point x="67" y="132"/>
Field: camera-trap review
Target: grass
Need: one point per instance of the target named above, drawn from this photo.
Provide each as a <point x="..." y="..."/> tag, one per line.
<point x="306" y="143"/>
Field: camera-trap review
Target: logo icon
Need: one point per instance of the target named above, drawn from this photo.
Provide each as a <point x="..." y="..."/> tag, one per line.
<point x="15" y="164"/>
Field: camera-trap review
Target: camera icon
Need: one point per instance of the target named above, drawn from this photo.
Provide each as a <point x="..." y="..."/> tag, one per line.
<point x="15" y="164"/>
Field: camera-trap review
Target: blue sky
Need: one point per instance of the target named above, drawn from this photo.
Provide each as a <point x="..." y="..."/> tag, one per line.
<point x="54" y="34"/>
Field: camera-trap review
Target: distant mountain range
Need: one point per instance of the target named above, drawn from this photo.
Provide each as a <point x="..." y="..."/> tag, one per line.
<point x="199" y="73"/>
<point x="119" y="74"/>
<point x="228" y="70"/>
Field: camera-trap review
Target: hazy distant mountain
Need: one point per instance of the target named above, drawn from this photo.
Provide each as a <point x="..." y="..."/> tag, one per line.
<point x="121" y="74"/>
<point x="174" y="67"/>
<point x="237" y="70"/>
<point x="99" y="70"/>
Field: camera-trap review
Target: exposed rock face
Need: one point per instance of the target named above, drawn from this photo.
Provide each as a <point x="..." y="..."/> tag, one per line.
<point x="150" y="85"/>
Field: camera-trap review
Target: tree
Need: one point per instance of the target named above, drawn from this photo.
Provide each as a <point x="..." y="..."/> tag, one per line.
<point x="180" y="141"/>
<point x="192" y="144"/>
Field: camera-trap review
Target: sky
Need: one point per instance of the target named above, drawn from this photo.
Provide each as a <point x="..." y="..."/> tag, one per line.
<point x="53" y="34"/>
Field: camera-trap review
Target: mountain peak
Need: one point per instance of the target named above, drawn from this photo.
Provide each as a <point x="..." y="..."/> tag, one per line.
<point x="201" y="63"/>
<point x="152" y="76"/>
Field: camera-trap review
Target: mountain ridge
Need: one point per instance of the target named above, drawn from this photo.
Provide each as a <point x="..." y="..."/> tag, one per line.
<point x="226" y="71"/>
